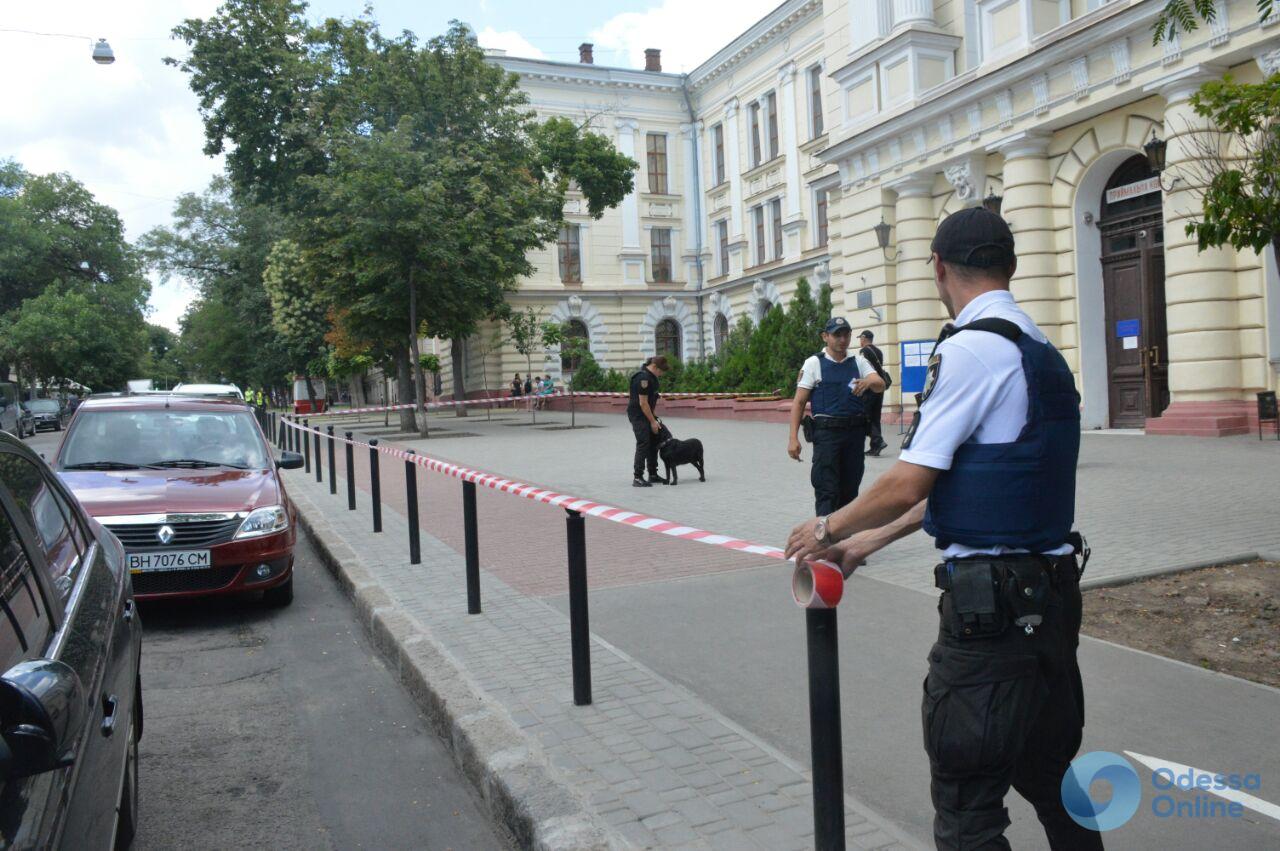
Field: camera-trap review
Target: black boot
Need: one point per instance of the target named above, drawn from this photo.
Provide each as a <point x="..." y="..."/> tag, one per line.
<point x="639" y="482"/>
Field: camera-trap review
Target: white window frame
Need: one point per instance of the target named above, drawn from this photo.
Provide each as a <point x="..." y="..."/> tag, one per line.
<point x="813" y="74"/>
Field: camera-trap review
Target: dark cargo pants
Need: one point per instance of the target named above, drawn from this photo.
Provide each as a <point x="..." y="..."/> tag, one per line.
<point x="1000" y="711"/>
<point x="646" y="448"/>
<point x="838" y="463"/>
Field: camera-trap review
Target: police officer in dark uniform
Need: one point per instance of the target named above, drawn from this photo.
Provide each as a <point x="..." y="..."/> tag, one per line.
<point x="642" y="412"/>
<point x="988" y="469"/>
<point x="835" y="384"/>
<point x="873" y="401"/>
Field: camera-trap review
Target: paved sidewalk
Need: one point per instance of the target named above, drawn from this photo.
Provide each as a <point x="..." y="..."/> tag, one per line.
<point x="649" y="764"/>
<point x="1145" y="503"/>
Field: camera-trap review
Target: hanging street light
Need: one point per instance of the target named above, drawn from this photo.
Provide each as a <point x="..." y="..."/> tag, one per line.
<point x="102" y="53"/>
<point x="882" y="238"/>
<point x="1155" y="151"/>
<point x="992" y="202"/>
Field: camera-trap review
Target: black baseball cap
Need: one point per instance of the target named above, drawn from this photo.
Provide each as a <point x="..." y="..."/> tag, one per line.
<point x="836" y="324"/>
<point x="974" y="236"/>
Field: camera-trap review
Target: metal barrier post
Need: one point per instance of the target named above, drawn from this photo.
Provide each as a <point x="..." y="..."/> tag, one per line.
<point x="319" y="462"/>
<point x="351" y="479"/>
<point x="288" y="433"/>
<point x="824" y="729"/>
<point x="411" y="499"/>
<point x="375" y="485"/>
<point x="306" y="447"/>
<point x="333" y="479"/>
<point x="579" y="629"/>
<point x="471" y="535"/>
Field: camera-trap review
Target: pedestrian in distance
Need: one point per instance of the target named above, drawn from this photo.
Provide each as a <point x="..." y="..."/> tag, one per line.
<point x="528" y="385"/>
<point x="517" y="386"/>
<point x="874" y="401"/>
<point x="642" y="406"/>
<point x="834" y="384"/>
<point x="988" y="468"/>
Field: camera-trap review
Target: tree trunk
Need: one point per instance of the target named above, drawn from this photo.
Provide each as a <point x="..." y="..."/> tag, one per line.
<point x="459" y="377"/>
<point x="311" y="395"/>
<point x="419" y="380"/>
<point x="404" y="389"/>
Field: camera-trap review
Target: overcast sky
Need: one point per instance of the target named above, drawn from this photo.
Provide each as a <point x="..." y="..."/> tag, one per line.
<point x="131" y="131"/>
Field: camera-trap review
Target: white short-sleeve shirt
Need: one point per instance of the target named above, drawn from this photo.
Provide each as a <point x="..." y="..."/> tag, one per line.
<point x="811" y="372"/>
<point x="979" y="394"/>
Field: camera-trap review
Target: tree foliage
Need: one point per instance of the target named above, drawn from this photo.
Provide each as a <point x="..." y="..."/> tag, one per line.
<point x="1185" y="16"/>
<point x="298" y="316"/>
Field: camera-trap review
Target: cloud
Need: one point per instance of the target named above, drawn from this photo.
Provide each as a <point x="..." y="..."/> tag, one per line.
<point x="129" y="131"/>
<point x="686" y="33"/>
<point x="510" y="41"/>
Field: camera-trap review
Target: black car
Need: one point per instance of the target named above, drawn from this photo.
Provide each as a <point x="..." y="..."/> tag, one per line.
<point x="70" y="647"/>
<point x="46" y="414"/>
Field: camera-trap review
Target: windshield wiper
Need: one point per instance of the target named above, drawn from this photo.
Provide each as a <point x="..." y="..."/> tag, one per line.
<point x="102" y="465"/>
<point x="196" y="463"/>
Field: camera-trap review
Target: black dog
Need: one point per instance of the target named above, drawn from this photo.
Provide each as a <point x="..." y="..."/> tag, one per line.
<point x="676" y="452"/>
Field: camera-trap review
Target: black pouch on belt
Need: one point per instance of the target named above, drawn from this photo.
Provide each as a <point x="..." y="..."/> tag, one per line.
<point x="806" y="425"/>
<point x="1026" y="592"/>
<point x="975" y="605"/>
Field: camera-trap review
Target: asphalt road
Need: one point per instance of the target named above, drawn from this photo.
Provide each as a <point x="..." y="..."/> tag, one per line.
<point x="283" y="729"/>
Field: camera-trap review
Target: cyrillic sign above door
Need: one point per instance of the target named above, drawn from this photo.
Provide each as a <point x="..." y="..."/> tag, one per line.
<point x="1133" y="190"/>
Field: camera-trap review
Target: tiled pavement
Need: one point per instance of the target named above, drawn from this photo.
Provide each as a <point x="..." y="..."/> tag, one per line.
<point x="1144" y="503"/>
<point x="650" y="760"/>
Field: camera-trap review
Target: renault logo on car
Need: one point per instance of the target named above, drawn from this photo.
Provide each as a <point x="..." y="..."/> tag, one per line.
<point x="165" y="534"/>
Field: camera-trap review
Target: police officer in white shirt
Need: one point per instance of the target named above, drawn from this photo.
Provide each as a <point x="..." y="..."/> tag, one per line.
<point x="988" y="469"/>
<point x="834" y="383"/>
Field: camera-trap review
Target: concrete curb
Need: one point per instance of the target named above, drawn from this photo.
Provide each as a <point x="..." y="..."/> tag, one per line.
<point x="509" y="769"/>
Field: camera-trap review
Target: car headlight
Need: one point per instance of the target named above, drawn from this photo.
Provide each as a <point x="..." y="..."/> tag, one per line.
<point x="264" y="521"/>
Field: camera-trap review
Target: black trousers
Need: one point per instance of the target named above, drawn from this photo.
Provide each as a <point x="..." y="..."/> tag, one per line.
<point x="1001" y="711"/>
<point x="838" y="463"/>
<point x="646" y="448"/>
<point x="873" y="402"/>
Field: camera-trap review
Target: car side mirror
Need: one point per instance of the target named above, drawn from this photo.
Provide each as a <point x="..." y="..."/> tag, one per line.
<point x="289" y="461"/>
<point x="42" y="710"/>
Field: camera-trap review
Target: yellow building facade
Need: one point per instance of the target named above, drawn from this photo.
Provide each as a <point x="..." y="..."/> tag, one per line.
<point x="779" y="157"/>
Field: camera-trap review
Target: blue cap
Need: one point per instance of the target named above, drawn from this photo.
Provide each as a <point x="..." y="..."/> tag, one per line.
<point x="837" y="324"/>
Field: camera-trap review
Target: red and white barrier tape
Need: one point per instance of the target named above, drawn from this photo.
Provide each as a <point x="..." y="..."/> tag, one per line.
<point x="532" y="397"/>
<point x="814" y="585"/>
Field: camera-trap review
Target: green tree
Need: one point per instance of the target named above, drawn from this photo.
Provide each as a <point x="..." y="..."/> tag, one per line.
<point x="162" y="363"/>
<point x="298" y="317"/>
<point x="1185" y="16"/>
<point x="525" y="329"/>
<point x="799" y="337"/>
<point x="1236" y="166"/>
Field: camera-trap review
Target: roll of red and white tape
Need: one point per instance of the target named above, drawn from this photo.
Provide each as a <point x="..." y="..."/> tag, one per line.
<point x="817" y="585"/>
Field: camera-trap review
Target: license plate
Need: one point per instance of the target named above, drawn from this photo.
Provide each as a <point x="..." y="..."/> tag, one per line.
<point x="168" y="560"/>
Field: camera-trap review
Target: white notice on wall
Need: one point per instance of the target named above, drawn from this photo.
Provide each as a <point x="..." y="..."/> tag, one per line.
<point x="1130" y="342"/>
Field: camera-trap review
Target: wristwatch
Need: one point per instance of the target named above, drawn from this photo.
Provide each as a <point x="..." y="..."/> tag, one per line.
<point x="820" y="532"/>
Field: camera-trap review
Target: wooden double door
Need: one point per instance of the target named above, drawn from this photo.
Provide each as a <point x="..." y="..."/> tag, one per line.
<point x="1136" y="333"/>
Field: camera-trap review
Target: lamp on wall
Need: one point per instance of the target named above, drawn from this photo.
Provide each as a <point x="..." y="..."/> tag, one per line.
<point x="882" y="239"/>
<point x="1155" y="150"/>
<point x="992" y="202"/>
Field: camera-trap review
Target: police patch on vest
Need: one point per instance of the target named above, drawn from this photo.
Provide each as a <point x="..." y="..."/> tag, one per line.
<point x="931" y="376"/>
<point x="644" y="384"/>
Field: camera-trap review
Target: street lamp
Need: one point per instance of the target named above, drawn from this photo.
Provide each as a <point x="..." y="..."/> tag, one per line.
<point x="992" y="202"/>
<point x="1155" y="150"/>
<point x="102" y="53"/>
<point x="882" y="238"/>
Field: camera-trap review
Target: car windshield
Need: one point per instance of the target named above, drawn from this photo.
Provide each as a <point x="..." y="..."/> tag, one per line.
<point x="163" y="438"/>
<point x="43" y="406"/>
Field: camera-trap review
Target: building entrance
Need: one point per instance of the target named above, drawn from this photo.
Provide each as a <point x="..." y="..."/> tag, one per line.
<point x="1131" y="225"/>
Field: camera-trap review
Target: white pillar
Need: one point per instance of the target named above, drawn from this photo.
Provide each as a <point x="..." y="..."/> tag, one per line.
<point x="787" y="110"/>
<point x="734" y="166"/>
<point x="912" y="11"/>
<point x="627" y="128"/>
<point x="691" y="135"/>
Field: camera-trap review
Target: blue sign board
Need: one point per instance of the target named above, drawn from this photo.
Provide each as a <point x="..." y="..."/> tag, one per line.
<point x="1127" y="327"/>
<point x="915" y="363"/>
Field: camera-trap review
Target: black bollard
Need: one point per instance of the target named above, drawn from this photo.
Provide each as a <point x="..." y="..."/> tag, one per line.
<point x="288" y="433"/>
<point x="319" y="463"/>
<point x="375" y="485"/>
<point x="305" y="437"/>
<point x="579" y="628"/>
<point x="824" y="730"/>
<point x="333" y="479"/>
<point x="351" y="479"/>
<point x="471" y="535"/>
<point x="411" y="499"/>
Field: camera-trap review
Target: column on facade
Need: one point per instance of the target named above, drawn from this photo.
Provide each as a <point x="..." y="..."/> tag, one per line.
<point x="1200" y="286"/>
<point x="690" y="135"/>
<point x="912" y="12"/>
<point x="737" y="227"/>
<point x="632" y="254"/>
<point x="792" y="217"/>
<point x="1028" y="208"/>
<point x="919" y="312"/>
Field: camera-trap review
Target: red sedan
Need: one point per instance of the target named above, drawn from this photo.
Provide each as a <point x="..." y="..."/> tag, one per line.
<point x="190" y="487"/>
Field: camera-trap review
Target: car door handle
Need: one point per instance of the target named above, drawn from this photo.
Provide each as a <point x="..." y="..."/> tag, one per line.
<point x="128" y="609"/>
<point x="109" y="706"/>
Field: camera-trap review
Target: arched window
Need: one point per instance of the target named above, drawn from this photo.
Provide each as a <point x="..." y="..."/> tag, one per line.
<point x="720" y="330"/>
<point x="667" y="338"/>
<point x="573" y="328"/>
<point x="762" y="309"/>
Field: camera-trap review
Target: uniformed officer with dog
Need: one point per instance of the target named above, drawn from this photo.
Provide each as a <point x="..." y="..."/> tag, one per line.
<point x="988" y="468"/>
<point x="835" y="384"/>
<point x="642" y="406"/>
